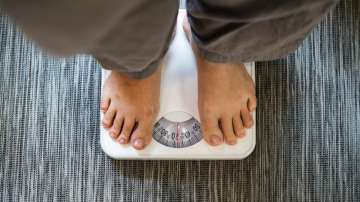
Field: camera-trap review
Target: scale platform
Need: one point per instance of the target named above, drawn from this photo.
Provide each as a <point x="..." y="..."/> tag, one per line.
<point x="177" y="132"/>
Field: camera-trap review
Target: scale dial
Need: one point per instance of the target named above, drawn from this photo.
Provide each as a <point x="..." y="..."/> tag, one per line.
<point x="177" y="134"/>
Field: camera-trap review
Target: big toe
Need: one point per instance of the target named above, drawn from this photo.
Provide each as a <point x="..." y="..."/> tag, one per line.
<point x="211" y="131"/>
<point x="141" y="136"/>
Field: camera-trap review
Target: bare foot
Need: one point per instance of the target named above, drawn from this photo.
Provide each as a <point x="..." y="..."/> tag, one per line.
<point x="226" y="98"/>
<point x="130" y="108"/>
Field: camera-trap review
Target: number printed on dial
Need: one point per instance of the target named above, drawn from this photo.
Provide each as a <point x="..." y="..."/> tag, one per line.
<point x="177" y="134"/>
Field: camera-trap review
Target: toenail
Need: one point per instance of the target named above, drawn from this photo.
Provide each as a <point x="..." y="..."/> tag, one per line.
<point x="232" y="142"/>
<point x="139" y="143"/>
<point x="215" y="140"/>
<point x="122" y="141"/>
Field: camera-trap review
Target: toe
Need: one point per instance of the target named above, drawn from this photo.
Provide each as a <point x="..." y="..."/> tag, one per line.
<point x="228" y="130"/>
<point x="117" y="124"/>
<point x="252" y="103"/>
<point x="142" y="135"/>
<point x="211" y="131"/>
<point x="238" y="126"/>
<point x="246" y="118"/>
<point x="104" y="105"/>
<point x="109" y="117"/>
<point x="126" y="131"/>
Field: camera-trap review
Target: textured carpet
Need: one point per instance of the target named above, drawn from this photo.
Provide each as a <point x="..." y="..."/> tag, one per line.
<point x="308" y="129"/>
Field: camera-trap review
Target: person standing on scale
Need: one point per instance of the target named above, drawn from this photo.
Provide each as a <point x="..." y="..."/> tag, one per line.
<point x="131" y="37"/>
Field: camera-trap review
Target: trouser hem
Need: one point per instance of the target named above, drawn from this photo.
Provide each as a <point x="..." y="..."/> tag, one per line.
<point x="218" y="57"/>
<point x="144" y="73"/>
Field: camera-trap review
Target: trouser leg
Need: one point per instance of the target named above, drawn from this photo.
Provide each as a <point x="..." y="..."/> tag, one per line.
<point x="238" y="31"/>
<point x="126" y="36"/>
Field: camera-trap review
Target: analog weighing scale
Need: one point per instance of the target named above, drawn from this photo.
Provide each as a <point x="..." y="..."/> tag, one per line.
<point x="177" y="132"/>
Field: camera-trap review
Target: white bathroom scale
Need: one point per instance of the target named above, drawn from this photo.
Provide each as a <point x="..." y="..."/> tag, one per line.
<point x="177" y="132"/>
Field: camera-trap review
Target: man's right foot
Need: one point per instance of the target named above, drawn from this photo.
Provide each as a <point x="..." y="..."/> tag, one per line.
<point x="130" y="108"/>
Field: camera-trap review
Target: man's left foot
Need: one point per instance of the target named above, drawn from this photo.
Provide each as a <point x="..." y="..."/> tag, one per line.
<point x="226" y="98"/>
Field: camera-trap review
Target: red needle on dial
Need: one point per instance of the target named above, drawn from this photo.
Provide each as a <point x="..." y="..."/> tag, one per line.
<point x="177" y="133"/>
